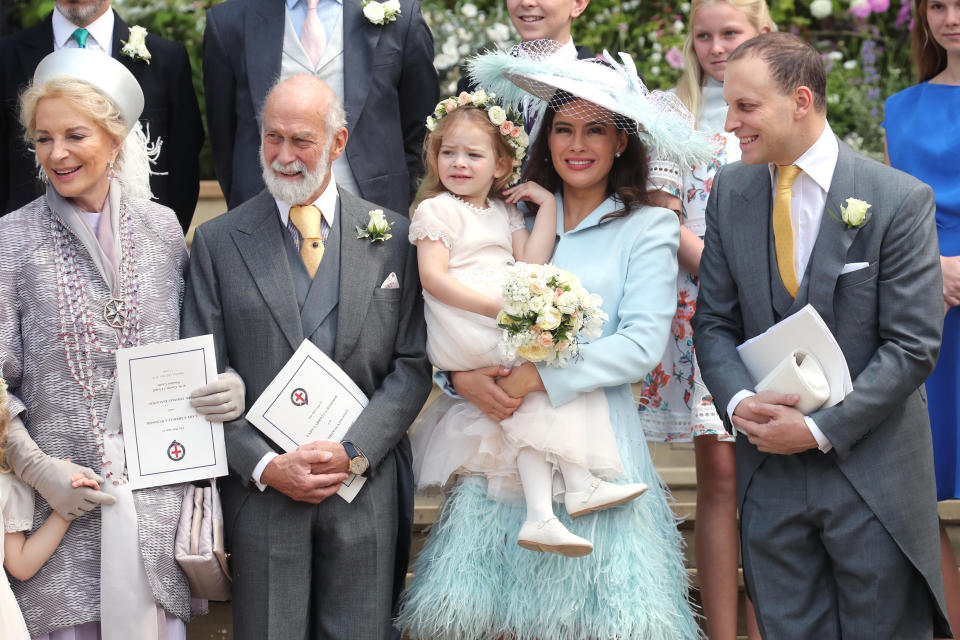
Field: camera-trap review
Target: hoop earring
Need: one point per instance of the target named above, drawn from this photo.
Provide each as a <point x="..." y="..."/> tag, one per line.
<point x="42" y="175"/>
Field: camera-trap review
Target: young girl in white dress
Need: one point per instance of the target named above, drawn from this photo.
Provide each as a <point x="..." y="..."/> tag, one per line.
<point x="675" y="406"/>
<point x="22" y="556"/>
<point x="466" y="238"/>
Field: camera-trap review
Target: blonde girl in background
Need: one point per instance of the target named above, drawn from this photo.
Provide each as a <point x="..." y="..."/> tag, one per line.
<point x="22" y="556"/>
<point x="675" y="406"/>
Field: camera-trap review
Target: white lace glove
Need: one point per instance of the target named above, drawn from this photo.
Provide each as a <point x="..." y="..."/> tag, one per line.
<point x="222" y="400"/>
<point x="51" y="476"/>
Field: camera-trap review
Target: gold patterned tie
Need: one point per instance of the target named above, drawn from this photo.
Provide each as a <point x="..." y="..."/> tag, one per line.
<point x="307" y="219"/>
<point x="783" y="228"/>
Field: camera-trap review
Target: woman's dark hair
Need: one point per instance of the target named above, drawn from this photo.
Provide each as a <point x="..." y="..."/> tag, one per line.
<point x="928" y="56"/>
<point x="627" y="179"/>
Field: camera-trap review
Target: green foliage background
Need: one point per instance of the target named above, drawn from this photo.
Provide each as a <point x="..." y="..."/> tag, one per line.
<point x="867" y="57"/>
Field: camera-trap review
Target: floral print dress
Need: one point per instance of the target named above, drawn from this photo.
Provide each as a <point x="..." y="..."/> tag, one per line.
<point x="674" y="404"/>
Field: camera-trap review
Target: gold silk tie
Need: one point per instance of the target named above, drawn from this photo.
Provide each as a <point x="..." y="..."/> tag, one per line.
<point x="307" y="219"/>
<point x="783" y="228"/>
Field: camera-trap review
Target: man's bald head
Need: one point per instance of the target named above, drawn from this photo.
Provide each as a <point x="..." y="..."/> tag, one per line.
<point x="304" y="131"/>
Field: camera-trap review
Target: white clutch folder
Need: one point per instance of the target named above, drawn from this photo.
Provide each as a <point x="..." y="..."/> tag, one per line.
<point x="799" y="373"/>
<point x="806" y="331"/>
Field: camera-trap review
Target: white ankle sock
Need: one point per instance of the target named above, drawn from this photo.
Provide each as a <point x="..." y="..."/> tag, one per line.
<point x="536" y="475"/>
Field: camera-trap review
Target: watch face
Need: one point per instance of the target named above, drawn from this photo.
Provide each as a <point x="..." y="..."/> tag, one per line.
<point x="357" y="466"/>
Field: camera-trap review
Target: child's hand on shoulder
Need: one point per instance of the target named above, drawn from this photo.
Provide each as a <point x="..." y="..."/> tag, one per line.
<point x="529" y="192"/>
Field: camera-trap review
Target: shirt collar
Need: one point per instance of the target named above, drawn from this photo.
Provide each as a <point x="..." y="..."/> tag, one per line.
<point x="819" y="161"/>
<point x="567" y="51"/>
<point x="327" y="203"/>
<point x="101" y="31"/>
<point x="292" y="4"/>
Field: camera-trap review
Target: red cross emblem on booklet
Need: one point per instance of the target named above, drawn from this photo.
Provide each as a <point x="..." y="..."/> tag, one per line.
<point x="299" y="397"/>
<point x="176" y="451"/>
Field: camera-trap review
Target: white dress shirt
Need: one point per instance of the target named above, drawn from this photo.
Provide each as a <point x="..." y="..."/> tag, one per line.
<point x="327" y="203"/>
<point x="806" y="212"/>
<point x="100" y="38"/>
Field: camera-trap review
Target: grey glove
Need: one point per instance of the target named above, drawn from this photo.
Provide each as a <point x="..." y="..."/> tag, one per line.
<point x="51" y="476"/>
<point x="222" y="400"/>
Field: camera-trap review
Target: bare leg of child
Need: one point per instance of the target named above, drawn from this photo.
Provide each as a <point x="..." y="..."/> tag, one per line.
<point x="543" y="531"/>
<point x="586" y="492"/>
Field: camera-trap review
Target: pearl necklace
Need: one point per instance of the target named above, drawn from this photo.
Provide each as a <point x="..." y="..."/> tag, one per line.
<point x="78" y="323"/>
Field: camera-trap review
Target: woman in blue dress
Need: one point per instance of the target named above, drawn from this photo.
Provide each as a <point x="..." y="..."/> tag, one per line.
<point x="471" y="580"/>
<point x="922" y="127"/>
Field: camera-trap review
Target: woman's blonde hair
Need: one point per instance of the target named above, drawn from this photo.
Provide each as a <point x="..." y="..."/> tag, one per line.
<point x="86" y="98"/>
<point x="431" y="185"/>
<point x="690" y="85"/>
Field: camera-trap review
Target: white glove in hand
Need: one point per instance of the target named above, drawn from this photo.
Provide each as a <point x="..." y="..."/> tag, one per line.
<point x="51" y="476"/>
<point x="222" y="400"/>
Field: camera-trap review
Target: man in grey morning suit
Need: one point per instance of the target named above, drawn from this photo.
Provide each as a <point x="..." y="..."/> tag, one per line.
<point x="838" y="513"/>
<point x="383" y="73"/>
<point x="308" y="564"/>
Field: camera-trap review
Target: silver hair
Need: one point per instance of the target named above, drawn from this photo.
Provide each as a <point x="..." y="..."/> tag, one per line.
<point x="334" y="118"/>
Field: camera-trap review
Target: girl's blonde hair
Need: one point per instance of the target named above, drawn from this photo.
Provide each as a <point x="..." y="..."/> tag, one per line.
<point x="690" y="85"/>
<point x="88" y="100"/>
<point x="4" y="422"/>
<point x="431" y="185"/>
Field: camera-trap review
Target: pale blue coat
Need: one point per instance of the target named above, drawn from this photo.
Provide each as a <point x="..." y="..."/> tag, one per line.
<point x="472" y="581"/>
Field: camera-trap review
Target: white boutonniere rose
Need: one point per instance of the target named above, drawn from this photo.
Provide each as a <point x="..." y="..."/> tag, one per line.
<point x="377" y="229"/>
<point x="136" y="46"/>
<point x="854" y="214"/>
<point x="381" y="13"/>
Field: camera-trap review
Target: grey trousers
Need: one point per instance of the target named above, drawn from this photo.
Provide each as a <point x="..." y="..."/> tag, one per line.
<point x="818" y="563"/>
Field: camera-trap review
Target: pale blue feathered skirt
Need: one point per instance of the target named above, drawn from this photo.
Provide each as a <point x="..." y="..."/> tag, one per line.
<point x="472" y="582"/>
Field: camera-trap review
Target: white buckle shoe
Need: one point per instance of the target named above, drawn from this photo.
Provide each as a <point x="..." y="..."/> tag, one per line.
<point x="552" y="537"/>
<point x="600" y="495"/>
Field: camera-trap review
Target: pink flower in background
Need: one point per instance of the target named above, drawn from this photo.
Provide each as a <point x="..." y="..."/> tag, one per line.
<point x="903" y="16"/>
<point x="675" y="58"/>
<point x="861" y="8"/>
<point x="879" y="6"/>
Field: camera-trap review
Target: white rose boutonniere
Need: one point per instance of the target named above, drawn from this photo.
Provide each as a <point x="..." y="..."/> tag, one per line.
<point x="136" y="46"/>
<point x="377" y="229"/>
<point x="854" y="213"/>
<point x="381" y="13"/>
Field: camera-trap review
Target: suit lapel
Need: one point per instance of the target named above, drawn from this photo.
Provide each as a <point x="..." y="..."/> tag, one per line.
<point x="31" y="51"/>
<point x="360" y="39"/>
<point x="360" y="262"/>
<point x="834" y="239"/>
<point x="751" y="233"/>
<point x="264" y="24"/>
<point x="259" y="240"/>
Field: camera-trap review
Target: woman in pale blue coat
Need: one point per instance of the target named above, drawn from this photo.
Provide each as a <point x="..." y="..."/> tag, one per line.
<point x="471" y="580"/>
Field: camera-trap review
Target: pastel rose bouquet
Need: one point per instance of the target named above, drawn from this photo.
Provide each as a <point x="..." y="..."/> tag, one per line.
<point x="547" y="314"/>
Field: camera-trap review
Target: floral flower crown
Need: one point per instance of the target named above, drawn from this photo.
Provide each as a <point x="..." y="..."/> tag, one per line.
<point x="511" y="128"/>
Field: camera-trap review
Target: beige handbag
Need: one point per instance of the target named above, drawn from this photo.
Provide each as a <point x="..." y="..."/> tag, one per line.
<point x="199" y="546"/>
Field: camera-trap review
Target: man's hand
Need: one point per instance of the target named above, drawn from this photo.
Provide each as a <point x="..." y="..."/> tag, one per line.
<point x="950" y="268"/>
<point x="772" y="424"/>
<point x="338" y="461"/>
<point x="479" y="387"/>
<point x="521" y="380"/>
<point x="289" y="473"/>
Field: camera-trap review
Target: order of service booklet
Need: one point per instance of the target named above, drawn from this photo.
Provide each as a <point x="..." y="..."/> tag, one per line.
<point x="310" y="399"/>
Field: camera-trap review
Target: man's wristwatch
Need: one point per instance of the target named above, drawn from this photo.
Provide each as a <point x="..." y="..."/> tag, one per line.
<point x="358" y="462"/>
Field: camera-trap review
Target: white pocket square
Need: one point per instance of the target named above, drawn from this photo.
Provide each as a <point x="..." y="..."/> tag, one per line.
<point x="391" y="282"/>
<point x="854" y="266"/>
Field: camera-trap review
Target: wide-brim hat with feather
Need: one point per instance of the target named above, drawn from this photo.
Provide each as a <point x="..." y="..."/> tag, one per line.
<point x="608" y="92"/>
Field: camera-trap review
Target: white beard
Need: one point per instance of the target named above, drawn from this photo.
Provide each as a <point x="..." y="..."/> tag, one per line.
<point x="299" y="191"/>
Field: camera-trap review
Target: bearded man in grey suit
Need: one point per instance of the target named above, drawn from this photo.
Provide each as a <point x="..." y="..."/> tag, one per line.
<point x="382" y="70"/>
<point x="838" y="513"/>
<point x="305" y="564"/>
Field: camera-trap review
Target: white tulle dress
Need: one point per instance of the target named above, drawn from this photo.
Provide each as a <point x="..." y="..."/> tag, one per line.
<point x="453" y="437"/>
<point x="16" y="514"/>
